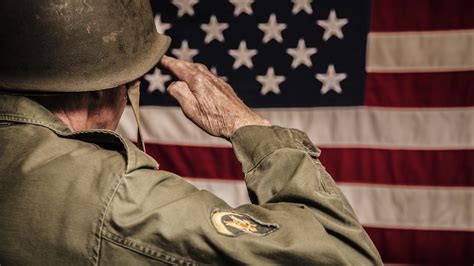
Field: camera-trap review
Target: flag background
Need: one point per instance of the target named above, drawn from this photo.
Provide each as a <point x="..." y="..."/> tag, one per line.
<point x="398" y="139"/>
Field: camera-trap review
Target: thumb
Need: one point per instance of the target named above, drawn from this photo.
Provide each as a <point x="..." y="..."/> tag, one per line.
<point x="181" y="92"/>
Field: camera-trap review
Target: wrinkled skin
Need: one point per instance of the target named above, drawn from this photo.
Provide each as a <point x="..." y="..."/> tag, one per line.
<point x="207" y="100"/>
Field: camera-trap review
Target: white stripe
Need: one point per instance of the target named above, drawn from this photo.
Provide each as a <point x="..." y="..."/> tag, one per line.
<point x="404" y="207"/>
<point x="367" y="127"/>
<point x="429" y="51"/>
<point x="434" y="208"/>
<point x="231" y="191"/>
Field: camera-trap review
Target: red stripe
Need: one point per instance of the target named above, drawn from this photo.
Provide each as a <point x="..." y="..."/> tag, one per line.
<point x="421" y="15"/>
<point x="424" y="247"/>
<point x="398" y="167"/>
<point x="450" y="89"/>
<point x="193" y="161"/>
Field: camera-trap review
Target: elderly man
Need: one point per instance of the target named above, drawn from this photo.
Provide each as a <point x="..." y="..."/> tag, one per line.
<point x="73" y="191"/>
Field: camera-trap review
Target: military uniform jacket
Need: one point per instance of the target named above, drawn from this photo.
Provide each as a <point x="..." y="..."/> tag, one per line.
<point x="92" y="197"/>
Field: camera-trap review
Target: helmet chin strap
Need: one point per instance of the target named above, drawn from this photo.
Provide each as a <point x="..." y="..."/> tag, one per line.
<point x="133" y="93"/>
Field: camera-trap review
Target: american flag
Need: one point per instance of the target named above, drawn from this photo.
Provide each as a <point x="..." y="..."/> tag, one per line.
<point x="384" y="88"/>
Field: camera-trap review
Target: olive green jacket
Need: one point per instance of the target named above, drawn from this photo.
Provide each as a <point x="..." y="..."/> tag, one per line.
<point x="92" y="197"/>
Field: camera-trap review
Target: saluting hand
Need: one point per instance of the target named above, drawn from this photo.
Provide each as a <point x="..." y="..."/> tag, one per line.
<point x="207" y="100"/>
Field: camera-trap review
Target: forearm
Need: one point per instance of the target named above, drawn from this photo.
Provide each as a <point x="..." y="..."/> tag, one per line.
<point x="281" y="166"/>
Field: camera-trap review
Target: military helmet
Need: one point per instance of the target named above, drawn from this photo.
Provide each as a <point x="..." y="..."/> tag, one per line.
<point x="76" y="45"/>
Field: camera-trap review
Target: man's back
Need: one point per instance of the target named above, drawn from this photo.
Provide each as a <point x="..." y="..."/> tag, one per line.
<point x="91" y="197"/>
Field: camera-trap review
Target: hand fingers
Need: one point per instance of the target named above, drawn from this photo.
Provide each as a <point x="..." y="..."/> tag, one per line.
<point x="197" y="76"/>
<point x="181" y="69"/>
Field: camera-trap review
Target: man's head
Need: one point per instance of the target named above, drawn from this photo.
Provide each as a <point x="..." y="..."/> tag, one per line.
<point x="84" y="50"/>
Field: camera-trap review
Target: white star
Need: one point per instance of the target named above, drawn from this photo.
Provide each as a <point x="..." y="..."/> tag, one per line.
<point x="185" y="6"/>
<point x="243" y="56"/>
<point x="157" y="81"/>
<point x="272" y="29"/>
<point x="242" y="6"/>
<point x="184" y="53"/>
<point x="214" y="71"/>
<point x="270" y="82"/>
<point x="304" y="5"/>
<point x="214" y="30"/>
<point x="161" y="27"/>
<point x="333" y="26"/>
<point x="301" y="54"/>
<point x="331" y="80"/>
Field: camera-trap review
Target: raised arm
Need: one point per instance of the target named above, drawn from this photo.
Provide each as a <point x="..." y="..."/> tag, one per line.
<point x="298" y="216"/>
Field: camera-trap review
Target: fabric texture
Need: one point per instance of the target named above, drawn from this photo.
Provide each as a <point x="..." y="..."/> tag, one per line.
<point x="92" y="197"/>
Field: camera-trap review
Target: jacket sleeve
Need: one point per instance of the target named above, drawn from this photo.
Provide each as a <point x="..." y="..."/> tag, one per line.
<point x="298" y="216"/>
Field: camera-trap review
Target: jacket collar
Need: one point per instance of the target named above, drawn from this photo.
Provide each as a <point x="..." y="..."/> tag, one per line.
<point x="20" y="109"/>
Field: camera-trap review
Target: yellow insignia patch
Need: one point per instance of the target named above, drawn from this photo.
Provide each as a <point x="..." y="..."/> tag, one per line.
<point x="234" y="224"/>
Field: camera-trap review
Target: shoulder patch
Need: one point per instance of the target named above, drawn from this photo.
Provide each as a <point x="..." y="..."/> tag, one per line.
<point x="234" y="224"/>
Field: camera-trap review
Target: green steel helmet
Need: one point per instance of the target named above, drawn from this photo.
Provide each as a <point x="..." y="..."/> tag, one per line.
<point x="76" y="45"/>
